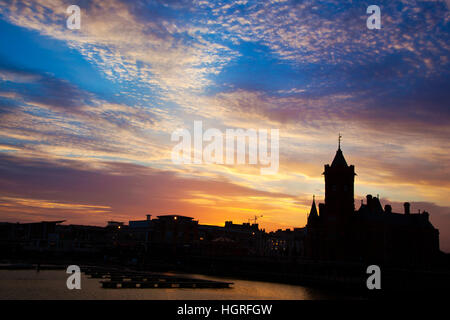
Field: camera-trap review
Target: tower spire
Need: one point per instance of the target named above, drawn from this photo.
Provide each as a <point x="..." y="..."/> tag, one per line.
<point x="313" y="212"/>
<point x="339" y="141"/>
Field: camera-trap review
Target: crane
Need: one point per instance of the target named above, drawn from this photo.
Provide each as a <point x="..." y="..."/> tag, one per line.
<point x="255" y="219"/>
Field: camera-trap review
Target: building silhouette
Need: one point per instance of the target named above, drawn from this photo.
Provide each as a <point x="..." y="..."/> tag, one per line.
<point x="373" y="234"/>
<point x="335" y="232"/>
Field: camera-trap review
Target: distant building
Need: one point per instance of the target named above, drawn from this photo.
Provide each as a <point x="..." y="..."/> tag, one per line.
<point x="372" y="234"/>
<point x="147" y="223"/>
<point x="31" y="236"/>
<point x="231" y="239"/>
<point x="52" y="236"/>
<point x="115" y="224"/>
<point x="174" y="229"/>
<point x="286" y="242"/>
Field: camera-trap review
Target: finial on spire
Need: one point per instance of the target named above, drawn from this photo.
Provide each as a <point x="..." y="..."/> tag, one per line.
<point x="340" y="137"/>
<point x="314" y="197"/>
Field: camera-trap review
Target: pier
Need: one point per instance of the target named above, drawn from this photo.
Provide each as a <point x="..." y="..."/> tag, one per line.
<point x="117" y="279"/>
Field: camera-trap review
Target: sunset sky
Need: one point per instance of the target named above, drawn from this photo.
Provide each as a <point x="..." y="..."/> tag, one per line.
<point x="86" y="115"/>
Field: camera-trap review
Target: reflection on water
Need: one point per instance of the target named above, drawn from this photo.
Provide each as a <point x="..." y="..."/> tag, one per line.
<point x="28" y="284"/>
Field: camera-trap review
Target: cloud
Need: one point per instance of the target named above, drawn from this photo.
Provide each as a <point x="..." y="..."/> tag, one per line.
<point x="51" y="117"/>
<point x="42" y="88"/>
<point x="128" y="41"/>
<point x="332" y="31"/>
<point x="125" y="191"/>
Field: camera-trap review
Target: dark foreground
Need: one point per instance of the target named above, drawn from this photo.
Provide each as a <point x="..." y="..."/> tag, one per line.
<point x="338" y="280"/>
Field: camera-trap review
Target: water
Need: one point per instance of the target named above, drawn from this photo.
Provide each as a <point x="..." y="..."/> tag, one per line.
<point x="51" y="284"/>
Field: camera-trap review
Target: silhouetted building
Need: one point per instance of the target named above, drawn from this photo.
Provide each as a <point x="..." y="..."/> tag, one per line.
<point x="174" y="229"/>
<point x="232" y="239"/>
<point x="286" y="242"/>
<point x="371" y="234"/>
<point x="31" y="236"/>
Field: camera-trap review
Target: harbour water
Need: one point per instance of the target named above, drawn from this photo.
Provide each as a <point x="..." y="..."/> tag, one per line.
<point x="51" y="284"/>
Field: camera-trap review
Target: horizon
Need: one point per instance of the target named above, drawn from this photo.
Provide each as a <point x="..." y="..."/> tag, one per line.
<point x="291" y="228"/>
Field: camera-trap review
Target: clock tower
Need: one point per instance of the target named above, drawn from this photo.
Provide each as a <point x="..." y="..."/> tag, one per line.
<point x="339" y="188"/>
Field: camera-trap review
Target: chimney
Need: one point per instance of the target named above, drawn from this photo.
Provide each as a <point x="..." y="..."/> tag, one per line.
<point x="369" y="201"/>
<point x="388" y="208"/>
<point x="406" y="205"/>
<point x="149" y="217"/>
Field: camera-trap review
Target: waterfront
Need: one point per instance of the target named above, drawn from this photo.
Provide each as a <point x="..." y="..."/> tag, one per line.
<point x="51" y="284"/>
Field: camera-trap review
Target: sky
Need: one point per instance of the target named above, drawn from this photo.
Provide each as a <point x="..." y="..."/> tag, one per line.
<point x="86" y="116"/>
